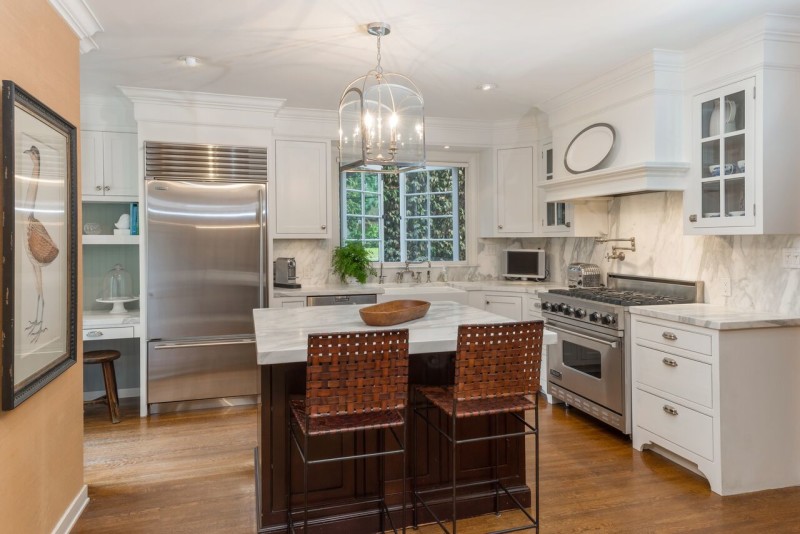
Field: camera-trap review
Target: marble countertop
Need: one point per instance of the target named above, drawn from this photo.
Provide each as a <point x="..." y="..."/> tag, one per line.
<point x="282" y="333"/>
<point x="716" y="317"/>
<point x="346" y="289"/>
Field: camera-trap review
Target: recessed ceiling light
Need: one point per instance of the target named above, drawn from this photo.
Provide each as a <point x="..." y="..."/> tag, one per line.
<point x="447" y="147"/>
<point x="190" y="61"/>
<point x="486" y="86"/>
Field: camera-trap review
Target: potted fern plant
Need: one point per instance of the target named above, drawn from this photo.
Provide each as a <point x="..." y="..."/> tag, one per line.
<point x="352" y="261"/>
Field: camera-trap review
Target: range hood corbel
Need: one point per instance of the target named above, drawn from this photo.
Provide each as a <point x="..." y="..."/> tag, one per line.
<point x="644" y="177"/>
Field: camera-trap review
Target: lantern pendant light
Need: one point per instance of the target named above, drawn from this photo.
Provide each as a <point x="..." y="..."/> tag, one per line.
<point x="381" y="120"/>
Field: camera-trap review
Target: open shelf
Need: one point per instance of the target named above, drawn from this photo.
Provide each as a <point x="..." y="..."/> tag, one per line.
<point x="110" y="239"/>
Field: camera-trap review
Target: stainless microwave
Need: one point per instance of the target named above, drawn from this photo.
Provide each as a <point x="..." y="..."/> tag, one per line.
<point x="523" y="264"/>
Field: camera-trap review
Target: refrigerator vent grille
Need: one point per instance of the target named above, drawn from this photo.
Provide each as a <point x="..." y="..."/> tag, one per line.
<point x="179" y="161"/>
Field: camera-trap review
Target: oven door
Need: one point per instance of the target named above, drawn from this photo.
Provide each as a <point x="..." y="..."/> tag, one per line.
<point x="589" y="364"/>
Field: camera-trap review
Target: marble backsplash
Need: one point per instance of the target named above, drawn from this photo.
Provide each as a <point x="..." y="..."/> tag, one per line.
<point x="752" y="263"/>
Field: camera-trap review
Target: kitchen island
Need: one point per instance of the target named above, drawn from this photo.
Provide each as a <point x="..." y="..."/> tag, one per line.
<point x="281" y="339"/>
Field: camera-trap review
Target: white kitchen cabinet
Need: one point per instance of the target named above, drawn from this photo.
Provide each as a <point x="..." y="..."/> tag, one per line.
<point x="505" y="304"/>
<point x="533" y="312"/>
<point x="720" y="402"/>
<point x="586" y="218"/>
<point x="743" y="178"/>
<point x="515" y="212"/>
<point x="109" y="166"/>
<point x="302" y="184"/>
<point x="288" y="302"/>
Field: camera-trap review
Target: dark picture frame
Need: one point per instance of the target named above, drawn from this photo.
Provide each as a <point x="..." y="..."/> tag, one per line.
<point x="40" y="245"/>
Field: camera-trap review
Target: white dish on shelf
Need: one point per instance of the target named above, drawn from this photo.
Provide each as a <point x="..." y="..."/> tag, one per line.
<point x="735" y="213"/>
<point x="589" y="149"/>
<point x="711" y="214"/>
<point x="119" y="303"/>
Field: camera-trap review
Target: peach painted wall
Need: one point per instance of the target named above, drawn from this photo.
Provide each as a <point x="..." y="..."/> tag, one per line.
<point x="41" y="441"/>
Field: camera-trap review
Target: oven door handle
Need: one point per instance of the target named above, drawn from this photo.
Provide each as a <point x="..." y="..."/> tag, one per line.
<point x="611" y="344"/>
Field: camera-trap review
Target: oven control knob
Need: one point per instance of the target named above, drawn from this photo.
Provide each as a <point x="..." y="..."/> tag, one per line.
<point x="609" y="319"/>
<point x="560" y="307"/>
<point x="568" y="310"/>
<point x="594" y="317"/>
<point x="580" y="313"/>
<point x="546" y="306"/>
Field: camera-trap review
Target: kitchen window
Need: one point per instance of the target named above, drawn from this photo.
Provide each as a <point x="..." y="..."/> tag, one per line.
<point x="407" y="216"/>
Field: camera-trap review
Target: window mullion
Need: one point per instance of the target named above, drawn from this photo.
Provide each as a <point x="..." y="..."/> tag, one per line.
<point x="454" y="197"/>
<point x="402" y="197"/>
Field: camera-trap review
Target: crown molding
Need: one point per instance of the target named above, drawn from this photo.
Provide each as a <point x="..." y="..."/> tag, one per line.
<point x="139" y="95"/>
<point x="81" y="19"/>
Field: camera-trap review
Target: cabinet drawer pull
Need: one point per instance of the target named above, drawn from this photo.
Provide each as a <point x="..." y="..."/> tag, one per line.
<point x="324" y="226"/>
<point x="670" y="362"/>
<point x="94" y="333"/>
<point x="500" y="226"/>
<point x="98" y="188"/>
<point x="670" y="410"/>
<point x="669" y="335"/>
<point x="107" y="188"/>
<point x="693" y="217"/>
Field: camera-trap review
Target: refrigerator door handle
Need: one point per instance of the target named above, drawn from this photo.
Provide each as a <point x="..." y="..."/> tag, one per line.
<point x="262" y="264"/>
<point x="208" y="344"/>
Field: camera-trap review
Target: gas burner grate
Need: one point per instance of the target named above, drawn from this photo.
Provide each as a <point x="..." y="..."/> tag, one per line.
<point x="620" y="297"/>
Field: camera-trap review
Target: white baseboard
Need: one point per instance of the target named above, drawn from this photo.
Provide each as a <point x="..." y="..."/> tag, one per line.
<point x="73" y="512"/>
<point x="123" y="393"/>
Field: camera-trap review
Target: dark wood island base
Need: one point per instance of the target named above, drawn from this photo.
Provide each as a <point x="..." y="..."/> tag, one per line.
<point x="351" y="483"/>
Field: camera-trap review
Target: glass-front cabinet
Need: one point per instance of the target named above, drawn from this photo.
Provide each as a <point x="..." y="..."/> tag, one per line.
<point x="721" y="188"/>
<point x="555" y="216"/>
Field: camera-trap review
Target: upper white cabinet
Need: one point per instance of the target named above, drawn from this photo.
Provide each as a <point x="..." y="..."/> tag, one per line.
<point x="302" y="179"/>
<point x="109" y="166"/>
<point x="744" y="166"/>
<point x="514" y="193"/>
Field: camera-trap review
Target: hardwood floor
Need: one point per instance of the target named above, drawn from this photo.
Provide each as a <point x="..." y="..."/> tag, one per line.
<point x="193" y="472"/>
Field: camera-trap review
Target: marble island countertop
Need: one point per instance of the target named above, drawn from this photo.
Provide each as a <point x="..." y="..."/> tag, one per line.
<point x="361" y="289"/>
<point x="282" y="333"/>
<point x="716" y="317"/>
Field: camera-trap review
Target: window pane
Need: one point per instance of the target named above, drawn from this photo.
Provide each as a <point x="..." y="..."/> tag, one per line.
<point x="416" y="205"/>
<point x="442" y="251"/>
<point x="441" y="180"/>
<point x="353" y="180"/>
<point x="417" y="250"/>
<point x="353" y="203"/>
<point x="391" y="217"/>
<point x="371" y="183"/>
<point x="354" y="228"/>
<point x="462" y="215"/>
<point x="374" y="249"/>
<point x="416" y="182"/>
<point x="371" y="204"/>
<point x="372" y="229"/>
<point x="441" y="204"/>
<point x="442" y="228"/>
<point x="417" y="228"/>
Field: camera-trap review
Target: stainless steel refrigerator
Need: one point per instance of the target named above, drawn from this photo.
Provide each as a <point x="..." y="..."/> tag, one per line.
<point x="206" y="247"/>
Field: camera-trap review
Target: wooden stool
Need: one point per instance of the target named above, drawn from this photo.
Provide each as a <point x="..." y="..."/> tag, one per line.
<point x="106" y="359"/>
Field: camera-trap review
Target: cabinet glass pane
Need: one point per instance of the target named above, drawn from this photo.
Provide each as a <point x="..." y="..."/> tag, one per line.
<point x="734" y="197"/>
<point x="734" y="112"/>
<point x="734" y="154"/>
<point x="710" y="118"/>
<point x="711" y="199"/>
<point x="548" y="164"/>
<point x="710" y="158"/>
<point x="561" y="213"/>
<point x="551" y="214"/>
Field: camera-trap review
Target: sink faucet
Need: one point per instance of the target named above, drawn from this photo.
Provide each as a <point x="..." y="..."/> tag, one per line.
<point x="415" y="277"/>
<point x="381" y="277"/>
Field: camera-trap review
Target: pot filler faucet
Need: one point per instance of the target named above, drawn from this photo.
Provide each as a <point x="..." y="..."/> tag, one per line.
<point x="617" y="252"/>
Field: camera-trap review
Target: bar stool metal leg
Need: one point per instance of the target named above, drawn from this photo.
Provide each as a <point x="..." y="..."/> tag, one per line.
<point x="289" y="447"/>
<point x="453" y="459"/>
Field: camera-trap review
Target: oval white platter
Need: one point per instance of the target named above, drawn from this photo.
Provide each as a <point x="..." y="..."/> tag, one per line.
<point x="589" y="148"/>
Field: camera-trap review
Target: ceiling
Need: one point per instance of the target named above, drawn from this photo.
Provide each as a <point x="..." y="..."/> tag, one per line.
<point x="307" y="51"/>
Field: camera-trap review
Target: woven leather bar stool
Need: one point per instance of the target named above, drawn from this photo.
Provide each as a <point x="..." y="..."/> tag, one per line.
<point x="355" y="381"/>
<point x="106" y="359"/>
<point x="496" y="372"/>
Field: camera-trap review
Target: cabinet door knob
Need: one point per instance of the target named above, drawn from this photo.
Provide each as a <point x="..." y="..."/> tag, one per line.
<point x="500" y="226"/>
<point x="669" y="335"/>
<point x="98" y="188"/>
<point x="670" y="362"/>
<point x="568" y="224"/>
<point x="670" y="410"/>
<point x="693" y="218"/>
<point x="324" y="226"/>
<point x="107" y="188"/>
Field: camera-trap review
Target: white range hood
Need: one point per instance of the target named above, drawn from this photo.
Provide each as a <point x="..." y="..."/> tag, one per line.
<point x="638" y="178"/>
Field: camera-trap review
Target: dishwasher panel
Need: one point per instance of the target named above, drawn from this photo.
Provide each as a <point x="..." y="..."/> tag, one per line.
<point x="340" y="300"/>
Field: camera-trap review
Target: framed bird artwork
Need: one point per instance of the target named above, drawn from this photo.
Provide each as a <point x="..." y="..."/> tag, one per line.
<point x="40" y="245"/>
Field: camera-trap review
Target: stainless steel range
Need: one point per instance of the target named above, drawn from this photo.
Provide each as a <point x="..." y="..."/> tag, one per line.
<point x="589" y="367"/>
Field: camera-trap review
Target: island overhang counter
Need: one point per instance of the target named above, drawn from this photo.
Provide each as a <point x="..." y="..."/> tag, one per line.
<point x="281" y="341"/>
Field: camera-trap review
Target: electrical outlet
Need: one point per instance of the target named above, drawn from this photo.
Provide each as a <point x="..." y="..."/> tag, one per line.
<point x="725" y="286"/>
<point x="791" y="258"/>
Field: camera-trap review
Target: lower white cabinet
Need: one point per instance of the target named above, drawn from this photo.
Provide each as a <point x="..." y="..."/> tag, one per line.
<point x="507" y="305"/>
<point x="288" y="302"/>
<point x="721" y="402"/>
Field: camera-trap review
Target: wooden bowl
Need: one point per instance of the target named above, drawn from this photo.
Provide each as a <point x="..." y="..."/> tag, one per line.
<point x="394" y="312"/>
